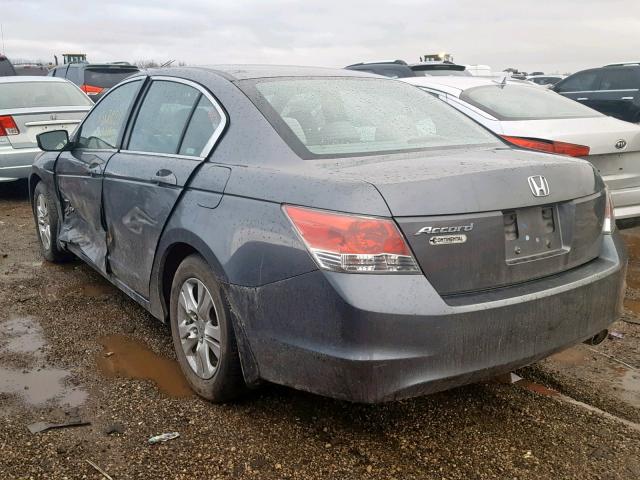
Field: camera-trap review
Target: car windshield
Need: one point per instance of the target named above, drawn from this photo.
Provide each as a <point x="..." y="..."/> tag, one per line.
<point x="41" y="94"/>
<point x="520" y="102"/>
<point x="107" y="77"/>
<point x="333" y="117"/>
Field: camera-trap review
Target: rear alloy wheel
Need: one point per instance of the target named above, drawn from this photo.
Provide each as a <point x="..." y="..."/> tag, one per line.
<point x="202" y="332"/>
<point x="46" y="217"/>
<point x="198" y="328"/>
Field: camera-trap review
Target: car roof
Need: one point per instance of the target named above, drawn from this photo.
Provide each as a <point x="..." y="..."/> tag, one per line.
<point x="101" y="65"/>
<point x="554" y="75"/>
<point x="31" y="78"/>
<point x="456" y="85"/>
<point x="247" y="72"/>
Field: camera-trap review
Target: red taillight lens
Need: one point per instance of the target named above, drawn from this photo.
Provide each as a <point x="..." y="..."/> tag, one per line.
<point x="90" y="89"/>
<point x="550" y="146"/>
<point x="352" y="243"/>
<point x="8" y="126"/>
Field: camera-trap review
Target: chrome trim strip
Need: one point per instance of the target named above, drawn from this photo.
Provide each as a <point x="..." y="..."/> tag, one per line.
<point x="50" y="122"/>
<point x="603" y="91"/>
<point x="154" y="154"/>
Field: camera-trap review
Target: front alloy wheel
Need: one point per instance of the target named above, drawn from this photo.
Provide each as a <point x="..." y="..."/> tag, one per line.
<point x="44" y="224"/>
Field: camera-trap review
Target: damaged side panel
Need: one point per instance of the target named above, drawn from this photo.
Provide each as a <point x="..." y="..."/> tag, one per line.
<point x="79" y="182"/>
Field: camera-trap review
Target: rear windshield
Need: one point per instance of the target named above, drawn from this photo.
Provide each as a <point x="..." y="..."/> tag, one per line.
<point x="41" y="94"/>
<point x="334" y="117"/>
<point x="519" y="102"/>
<point x="106" y="77"/>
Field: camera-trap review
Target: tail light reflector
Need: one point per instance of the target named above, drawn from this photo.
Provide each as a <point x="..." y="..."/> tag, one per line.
<point x="8" y="126"/>
<point x="609" y="224"/>
<point x="561" y="148"/>
<point x="351" y="243"/>
<point x="90" y="89"/>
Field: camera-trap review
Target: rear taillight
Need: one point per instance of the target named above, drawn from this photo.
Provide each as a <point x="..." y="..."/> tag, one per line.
<point x="351" y="243"/>
<point x="561" y="148"/>
<point x="8" y="126"/>
<point x="609" y="224"/>
<point x="91" y="90"/>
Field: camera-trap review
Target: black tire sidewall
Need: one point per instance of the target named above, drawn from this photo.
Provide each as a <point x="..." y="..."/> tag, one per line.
<point x="217" y="387"/>
<point x="48" y="253"/>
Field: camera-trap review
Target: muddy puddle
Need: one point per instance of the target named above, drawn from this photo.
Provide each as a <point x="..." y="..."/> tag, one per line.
<point x="22" y="342"/>
<point x="588" y="363"/>
<point x="126" y="357"/>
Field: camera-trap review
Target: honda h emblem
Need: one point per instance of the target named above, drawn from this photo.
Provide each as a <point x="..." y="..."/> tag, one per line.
<point x="539" y="186"/>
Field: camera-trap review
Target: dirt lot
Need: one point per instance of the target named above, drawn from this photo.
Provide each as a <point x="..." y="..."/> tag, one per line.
<point x="73" y="347"/>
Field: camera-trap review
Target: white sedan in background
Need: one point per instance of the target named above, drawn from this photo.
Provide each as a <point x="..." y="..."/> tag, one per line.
<point x="29" y="106"/>
<point x="536" y="118"/>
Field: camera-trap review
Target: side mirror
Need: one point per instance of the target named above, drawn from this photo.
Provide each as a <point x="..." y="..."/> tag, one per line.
<point x="53" y="141"/>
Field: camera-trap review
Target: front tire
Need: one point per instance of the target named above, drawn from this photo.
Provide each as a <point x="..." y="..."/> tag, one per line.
<point x="47" y="221"/>
<point x="202" y="332"/>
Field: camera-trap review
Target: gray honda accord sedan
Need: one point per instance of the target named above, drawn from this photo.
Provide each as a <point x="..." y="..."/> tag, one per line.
<point x="328" y="230"/>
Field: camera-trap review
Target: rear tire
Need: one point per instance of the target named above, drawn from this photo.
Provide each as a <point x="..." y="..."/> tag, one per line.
<point x="46" y="217"/>
<point x="202" y="332"/>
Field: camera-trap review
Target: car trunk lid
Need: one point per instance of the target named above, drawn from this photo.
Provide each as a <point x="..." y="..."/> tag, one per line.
<point x="473" y="222"/>
<point x="33" y="121"/>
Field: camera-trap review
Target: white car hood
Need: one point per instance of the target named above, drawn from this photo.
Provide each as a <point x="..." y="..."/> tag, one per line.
<point x="600" y="134"/>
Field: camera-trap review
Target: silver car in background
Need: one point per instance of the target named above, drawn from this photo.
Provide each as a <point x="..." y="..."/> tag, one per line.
<point x="532" y="117"/>
<point x="29" y="106"/>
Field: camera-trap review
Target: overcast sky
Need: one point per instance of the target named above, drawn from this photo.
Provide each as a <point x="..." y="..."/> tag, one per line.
<point x="561" y="35"/>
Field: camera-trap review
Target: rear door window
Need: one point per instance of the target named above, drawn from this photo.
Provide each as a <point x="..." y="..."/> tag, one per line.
<point x="204" y="122"/>
<point x="580" y="82"/>
<point x="104" y="124"/>
<point x="163" y="117"/>
<point x="620" y="79"/>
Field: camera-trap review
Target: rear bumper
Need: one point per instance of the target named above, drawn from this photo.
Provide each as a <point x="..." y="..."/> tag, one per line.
<point x="15" y="163"/>
<point x="626" y="202"/>
<point x="373" y="338"/>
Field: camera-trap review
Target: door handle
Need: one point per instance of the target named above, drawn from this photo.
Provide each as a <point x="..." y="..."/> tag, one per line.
<point x="582" y="98"/>
<point x="626" y="98"/>
<point x="95" y="169"/>
<point x="164" y="177"/>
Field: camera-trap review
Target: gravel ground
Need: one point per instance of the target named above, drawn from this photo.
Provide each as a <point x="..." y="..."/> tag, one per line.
<point x="73" y="347"/>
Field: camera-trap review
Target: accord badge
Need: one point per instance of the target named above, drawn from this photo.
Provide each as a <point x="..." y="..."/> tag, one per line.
<point x="452" y="229"/>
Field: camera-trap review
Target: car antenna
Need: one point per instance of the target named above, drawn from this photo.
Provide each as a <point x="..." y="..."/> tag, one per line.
<point x="502" y="83"/>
